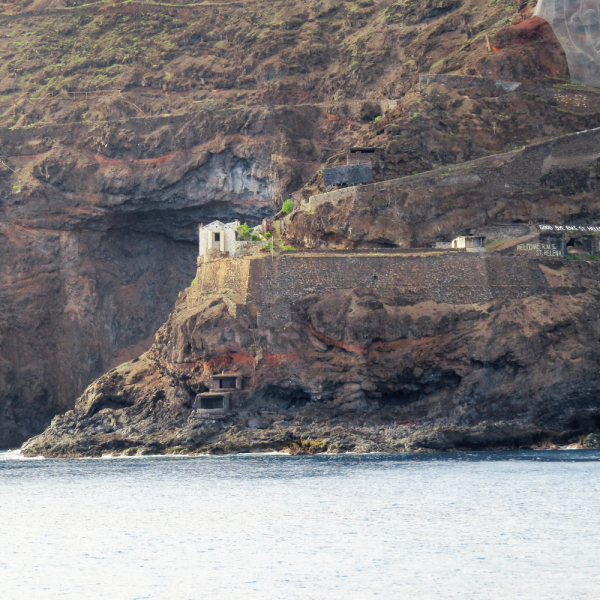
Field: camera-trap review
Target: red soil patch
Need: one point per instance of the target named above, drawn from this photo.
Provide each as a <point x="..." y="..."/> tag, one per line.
<point x="526" y="32"/>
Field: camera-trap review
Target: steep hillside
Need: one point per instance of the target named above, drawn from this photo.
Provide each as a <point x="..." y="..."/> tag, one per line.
<point x="172" y="58"/>
<point x="376" y="349"/>
<point x="125" y="124"/>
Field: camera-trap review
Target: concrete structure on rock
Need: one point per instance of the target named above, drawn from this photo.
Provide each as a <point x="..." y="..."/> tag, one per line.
<point x="219" y="240"/>
<point x="226" y="381"/>
<point x="210" y="403"/>
<point x="344" y="175"/>
<point x="222" y="397"/>
<point x="470" y="243"/>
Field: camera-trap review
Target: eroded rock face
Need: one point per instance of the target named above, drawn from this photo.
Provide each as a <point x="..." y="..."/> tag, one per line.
<point x="555" y="180"/>
<point x="355" y="371"/>
<point x="73" y="303"/>
<point x="98" y="233"/>
<point x="100" y="196"/>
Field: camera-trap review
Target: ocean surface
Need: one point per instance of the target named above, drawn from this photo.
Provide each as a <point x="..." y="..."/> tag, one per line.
<point x="500" y="525"/>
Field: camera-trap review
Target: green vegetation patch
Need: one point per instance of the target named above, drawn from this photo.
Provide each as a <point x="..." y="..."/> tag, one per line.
<point x="247" y="234"/>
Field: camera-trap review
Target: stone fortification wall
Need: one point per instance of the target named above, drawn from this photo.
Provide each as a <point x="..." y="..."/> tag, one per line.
<point x="450" y="278"/>
<point x="503" y="232"/>
<point x="268" y="288"/>
<point x="222" y="275"/>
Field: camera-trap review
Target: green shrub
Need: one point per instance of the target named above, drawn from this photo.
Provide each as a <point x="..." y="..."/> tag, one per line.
<point x="268" y="234"/>
<point x="378" y="118"/>
<point x="193" y="282"/>
<point x="288" y="206"/>
<point x="247" y="233"/>
<point x="593" y="257"/>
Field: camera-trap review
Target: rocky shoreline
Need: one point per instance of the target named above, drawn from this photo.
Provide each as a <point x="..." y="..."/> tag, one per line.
<point x="340" y="441"/>
<point x="353" y="371"/>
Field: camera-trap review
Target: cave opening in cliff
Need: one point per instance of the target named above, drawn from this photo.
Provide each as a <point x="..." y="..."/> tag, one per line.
<point x="412" y="388"/>
<point x="298" y="398"/>
<point x="286" y="398"/>
<point x="585" y="421"/>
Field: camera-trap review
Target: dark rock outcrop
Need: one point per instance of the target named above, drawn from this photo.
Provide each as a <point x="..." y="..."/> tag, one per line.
<point x="355" y="371"/>
<point x="555" y="181"/>
<point x="98" y="234"/>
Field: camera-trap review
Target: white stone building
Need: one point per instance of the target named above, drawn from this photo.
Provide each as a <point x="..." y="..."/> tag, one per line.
<point x="222" y="239"/>
<point x="470" y="243"/>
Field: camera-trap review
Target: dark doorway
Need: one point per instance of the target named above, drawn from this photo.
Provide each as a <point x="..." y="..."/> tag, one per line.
<point x="211" y="402"/>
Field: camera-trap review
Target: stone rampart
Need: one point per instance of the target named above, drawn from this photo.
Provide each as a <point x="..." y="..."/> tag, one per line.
<point x="269" y="287"/>
<point x="223" y="275"/>
<point x="450" y="278"/>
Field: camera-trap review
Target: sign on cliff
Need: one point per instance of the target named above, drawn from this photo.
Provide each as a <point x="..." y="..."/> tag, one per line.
<point x="569" y="228"/>
<point x="550" y="248"/>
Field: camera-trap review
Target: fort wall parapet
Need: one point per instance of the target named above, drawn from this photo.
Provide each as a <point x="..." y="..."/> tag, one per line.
<point x="453" y="278"/>
<point x="270" y="287"/>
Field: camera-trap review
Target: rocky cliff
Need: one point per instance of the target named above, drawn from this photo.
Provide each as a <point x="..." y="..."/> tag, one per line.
<point x="127" y="124"/>
<point x="99" y="233"/>
<point x="360" y="370"/>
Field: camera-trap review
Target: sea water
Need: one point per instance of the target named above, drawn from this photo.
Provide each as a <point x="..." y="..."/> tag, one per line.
<point x="503" y="525"/>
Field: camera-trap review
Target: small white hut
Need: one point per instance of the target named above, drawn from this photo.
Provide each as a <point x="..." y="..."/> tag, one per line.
<point x="470" y="243"/>
<point x="223" y="239"/>
<point x="218" y="236"/>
